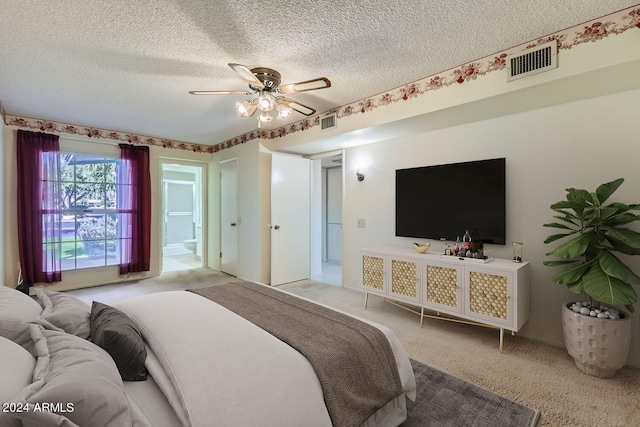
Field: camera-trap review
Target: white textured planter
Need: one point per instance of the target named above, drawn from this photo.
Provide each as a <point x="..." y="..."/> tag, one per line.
<point x="599" y="346"/>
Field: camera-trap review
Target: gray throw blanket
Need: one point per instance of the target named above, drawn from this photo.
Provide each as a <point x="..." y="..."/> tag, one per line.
<point x="352" y="359"/>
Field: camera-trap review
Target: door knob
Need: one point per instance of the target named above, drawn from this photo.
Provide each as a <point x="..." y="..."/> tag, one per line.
<point x="233" y="224"/>
<point x="277" y="227"/>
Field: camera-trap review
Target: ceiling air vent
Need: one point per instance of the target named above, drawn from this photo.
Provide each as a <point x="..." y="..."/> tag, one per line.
<point x="328" y="122"/>
<point x="542" y="58"/>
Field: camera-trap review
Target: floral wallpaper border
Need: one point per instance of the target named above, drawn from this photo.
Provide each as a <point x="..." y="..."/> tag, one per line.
<point x="591" y="31"/>
<point x="93" y="132"/>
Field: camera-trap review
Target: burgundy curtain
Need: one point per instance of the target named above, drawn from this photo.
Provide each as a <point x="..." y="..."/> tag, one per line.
<point x="134" y="205"/>
<point x="39" y="207"/>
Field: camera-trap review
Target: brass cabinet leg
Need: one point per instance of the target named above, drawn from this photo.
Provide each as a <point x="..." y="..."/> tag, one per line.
<point x="424" y="314"/>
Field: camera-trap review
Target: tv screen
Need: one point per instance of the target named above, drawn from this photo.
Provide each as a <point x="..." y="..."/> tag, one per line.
<point x="442" y="202"/>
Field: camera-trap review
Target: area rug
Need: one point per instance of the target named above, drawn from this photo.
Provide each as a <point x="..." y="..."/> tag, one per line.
<point x="446" y="401"/>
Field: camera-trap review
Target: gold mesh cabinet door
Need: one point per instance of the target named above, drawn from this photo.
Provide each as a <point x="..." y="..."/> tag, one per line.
<point x="404" y="278"/>
<point x="373" y="272"/>
<point x="442" y="285"/>
<point x="488" y="294"/>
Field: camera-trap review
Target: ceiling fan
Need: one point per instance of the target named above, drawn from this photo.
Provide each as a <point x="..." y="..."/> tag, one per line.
<point x="266" y="83"/>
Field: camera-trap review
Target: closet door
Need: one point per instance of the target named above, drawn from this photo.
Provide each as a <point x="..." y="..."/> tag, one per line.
<point x="229" y="217"/>
<point x="290" y="219"/>
<point x="334" y="215"/>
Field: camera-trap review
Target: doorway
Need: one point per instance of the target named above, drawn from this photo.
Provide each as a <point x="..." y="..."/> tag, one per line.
<point x="182" y="208"/>
<point x="327" y="191"/>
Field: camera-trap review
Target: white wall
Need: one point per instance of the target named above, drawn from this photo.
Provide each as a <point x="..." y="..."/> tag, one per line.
<point x="580" y="144"/>
<point x="96" y="276"/>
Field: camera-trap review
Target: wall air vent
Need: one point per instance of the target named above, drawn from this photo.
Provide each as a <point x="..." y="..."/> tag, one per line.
<point x="542" y="58"/>
<point x="328" y="122"/>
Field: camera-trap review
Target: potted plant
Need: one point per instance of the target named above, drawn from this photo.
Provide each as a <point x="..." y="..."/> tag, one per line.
<point x="597" y="335"/>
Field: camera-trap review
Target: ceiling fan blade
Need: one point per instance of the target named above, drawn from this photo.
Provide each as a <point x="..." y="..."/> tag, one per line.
<point x="246" y="75"/>
<point x="320" y="83"/>
<point x="296" y="106"/>
<point x="219" y="92"/>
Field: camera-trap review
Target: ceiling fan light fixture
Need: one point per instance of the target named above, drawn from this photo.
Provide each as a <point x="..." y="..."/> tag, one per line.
<point x="283" y="111"/>
<point x="265" y="101"/>
<point x="264" y="117"/>
<point x="265" y="82"/>
<point x="246" y="108"/>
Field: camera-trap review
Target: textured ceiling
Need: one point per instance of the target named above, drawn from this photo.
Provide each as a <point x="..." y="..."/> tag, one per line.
<point x="128" y="65"/>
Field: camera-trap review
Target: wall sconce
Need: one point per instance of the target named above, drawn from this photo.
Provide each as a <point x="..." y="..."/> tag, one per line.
<point x="360" y="163"/>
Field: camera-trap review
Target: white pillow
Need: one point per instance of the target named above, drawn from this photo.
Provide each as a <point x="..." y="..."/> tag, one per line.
<point x="16" y="371"/>
<point x="77" y="375"/>
<point x="65" y="312"/>
<point x="16" y="311"/>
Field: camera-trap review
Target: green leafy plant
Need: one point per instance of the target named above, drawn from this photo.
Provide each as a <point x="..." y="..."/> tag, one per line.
<point x="95" y="234"/>
<point x="595" y="231"/>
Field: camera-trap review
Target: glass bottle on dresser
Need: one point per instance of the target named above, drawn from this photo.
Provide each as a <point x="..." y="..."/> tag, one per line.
<point x="466" y="243"/>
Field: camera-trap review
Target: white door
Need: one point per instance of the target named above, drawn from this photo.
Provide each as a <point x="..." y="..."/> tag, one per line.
<point x="229" y="217"/>
<point x="290" y="219"/>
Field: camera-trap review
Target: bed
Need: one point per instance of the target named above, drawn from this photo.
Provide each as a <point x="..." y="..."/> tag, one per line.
<point x="187" y="359"/>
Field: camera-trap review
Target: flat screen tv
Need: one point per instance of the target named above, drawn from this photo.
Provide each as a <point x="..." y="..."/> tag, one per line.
<point x="441" y="202"/>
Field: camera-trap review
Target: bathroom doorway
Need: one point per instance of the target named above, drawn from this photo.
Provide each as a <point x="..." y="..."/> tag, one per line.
<point x="182" y="240"/>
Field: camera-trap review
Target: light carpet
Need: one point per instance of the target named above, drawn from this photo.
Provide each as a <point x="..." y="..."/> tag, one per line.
<point x="531" y="373"/>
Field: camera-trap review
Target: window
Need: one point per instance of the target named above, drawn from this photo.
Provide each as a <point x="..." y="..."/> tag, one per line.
<point x="103" y="200"/>
<point x="89" y="212"/>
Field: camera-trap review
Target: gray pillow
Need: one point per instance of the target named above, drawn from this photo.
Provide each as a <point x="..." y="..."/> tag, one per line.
<point x="114" y="331"/>
<point x="16" y="311"/>
<point x="64" y="312"/>
<point x="16" y="371"/>
<point x="76" y="376"/>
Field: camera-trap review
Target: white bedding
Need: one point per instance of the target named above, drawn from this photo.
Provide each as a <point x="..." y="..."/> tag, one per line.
<point x="149" y="406"/>
<point x="217" y="368"/>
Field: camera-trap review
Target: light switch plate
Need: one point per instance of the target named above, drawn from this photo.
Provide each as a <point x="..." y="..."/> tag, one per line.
<point x="360" y="222"/>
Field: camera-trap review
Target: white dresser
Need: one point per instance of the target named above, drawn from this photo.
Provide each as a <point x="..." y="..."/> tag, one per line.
<point x="492" y="293"/>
